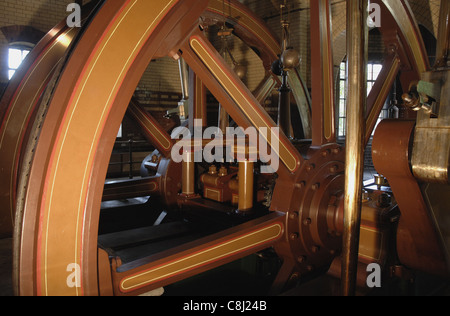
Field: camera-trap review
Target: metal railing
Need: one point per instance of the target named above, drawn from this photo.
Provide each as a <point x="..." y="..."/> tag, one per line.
<point x="130" y="143"/>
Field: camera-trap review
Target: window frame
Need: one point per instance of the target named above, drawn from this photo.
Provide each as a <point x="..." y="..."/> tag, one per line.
<point x="25" y="49"/>
<point x="341" y="128"/>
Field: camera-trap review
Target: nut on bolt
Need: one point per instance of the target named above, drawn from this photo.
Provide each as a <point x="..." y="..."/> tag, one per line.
<point x="293" y="215"/>
<point x="336" y="150"/>
<point x="310" y="167"/>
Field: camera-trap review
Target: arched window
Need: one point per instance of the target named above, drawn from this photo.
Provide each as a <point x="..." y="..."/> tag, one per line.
<point x="21" y="40"/>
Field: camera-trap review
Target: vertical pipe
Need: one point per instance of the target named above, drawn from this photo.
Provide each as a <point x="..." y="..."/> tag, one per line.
<point x="357" y="35"/>
<point x="188" y="173"/>
<point x="183" y="105"/>
<point x="245" y="202"/>
<point x="224" y="118"/>
<point x="197" y="100"/>
<point x="322" y="83"/>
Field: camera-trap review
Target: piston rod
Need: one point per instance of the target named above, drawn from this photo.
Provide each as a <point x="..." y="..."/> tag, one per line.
<point x="357" y="35"/>
<point x="245" y="186"/>
<point x="188" y="173"/>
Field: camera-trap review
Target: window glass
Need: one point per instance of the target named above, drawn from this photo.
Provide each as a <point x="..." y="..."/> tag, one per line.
<point x="373" y="71"/>
<point x="15" y="59"/>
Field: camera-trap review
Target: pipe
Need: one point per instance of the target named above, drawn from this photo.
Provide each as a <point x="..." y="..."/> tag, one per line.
<point x="188" y="173"/>
<point x="322" y="84"/>
<point x="284" y="107"/>
<point x="245" y="202"/>
<point x="357" y="36"/>
<point x="224" y="118"/>
<point x="184" y="77"/>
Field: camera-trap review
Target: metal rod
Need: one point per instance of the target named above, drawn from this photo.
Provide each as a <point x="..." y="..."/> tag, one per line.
<point x="130" y="161"/>
<point x="224" y="118"/>
<point x="380" y="92"/>
<point x="184" y="78"/>
<point x="188" y="173"/>
<point x="357" y="35"/>
<point x="284" y="107"/>
<point x="197" y="100"/>
<point x="322" y="84"/>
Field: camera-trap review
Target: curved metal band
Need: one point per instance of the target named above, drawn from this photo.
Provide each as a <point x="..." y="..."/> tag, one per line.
<point x="19" y="105"/>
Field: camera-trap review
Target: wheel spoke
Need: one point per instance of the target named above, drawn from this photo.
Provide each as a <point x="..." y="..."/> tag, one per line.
<point x="152" y="130"/>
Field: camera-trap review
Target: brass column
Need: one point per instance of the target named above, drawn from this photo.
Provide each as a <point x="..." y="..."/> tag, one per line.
<point x="245" y="186"/>
<point x="184" y="78"/>
<point x="183" y="105"/>
<point x="188" y="173"/>
<point x="357" y="36"/>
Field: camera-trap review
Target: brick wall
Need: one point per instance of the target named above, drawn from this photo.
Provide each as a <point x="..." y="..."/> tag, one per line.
<point x="162" y="75"/>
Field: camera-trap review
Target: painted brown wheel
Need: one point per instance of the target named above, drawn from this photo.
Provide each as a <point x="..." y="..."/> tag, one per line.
<point x="75" y="223"/>
<point x="65" y="41"/>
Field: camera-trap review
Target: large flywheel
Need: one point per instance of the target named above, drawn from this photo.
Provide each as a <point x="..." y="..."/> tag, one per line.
<point x="58" y="169"/>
